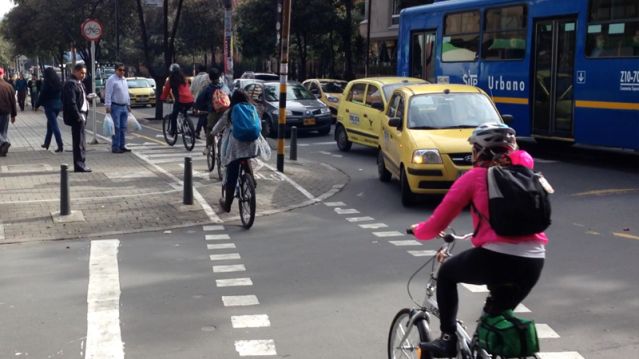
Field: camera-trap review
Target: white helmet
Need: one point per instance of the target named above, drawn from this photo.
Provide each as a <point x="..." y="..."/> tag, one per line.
<point x="174" y="68"/>
<point x="495" y="138"/>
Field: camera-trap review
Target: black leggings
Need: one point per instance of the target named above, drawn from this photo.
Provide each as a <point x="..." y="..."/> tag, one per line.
<point x="509" y="279"/>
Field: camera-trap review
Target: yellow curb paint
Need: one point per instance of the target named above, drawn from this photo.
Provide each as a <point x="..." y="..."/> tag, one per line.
<point x="625" y="235"/>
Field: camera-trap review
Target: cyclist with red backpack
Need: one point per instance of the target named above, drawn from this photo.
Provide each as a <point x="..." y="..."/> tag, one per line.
<point x="205" y="101"/>
<point x="177" y="87"/>
<point x="509" y="265"/>
<point x="241" y="126"/>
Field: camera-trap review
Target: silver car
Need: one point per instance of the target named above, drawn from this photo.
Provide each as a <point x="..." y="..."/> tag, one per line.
<point x="302" y="108"/>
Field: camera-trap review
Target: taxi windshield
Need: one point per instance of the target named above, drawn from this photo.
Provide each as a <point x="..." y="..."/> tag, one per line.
<point x="451" y="110"/>
<point x="135" y="84"/>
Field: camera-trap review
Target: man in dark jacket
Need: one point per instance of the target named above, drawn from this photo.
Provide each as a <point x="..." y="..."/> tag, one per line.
<point x="75" y="107"/>
<point x="8" y="108"/>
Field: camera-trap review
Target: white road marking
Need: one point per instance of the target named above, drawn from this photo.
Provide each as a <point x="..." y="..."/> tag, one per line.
<point x="250" y="321"/>
<point x="104" y="338"/>
<point x="521" y="309"/>
<point x="239" y="300"/>
<point x="337" y="156"/>
<point x="1" y="232"/>
<point x="325" y="153"/>
<point x="560" y="355"/>
<point x="408" y="242"/>
<point x="334" y="204"/>
<point x="306" y="193"/>
<point x="541" y="160"/>
<point x="476" y="288"/>
<point x="255" y="347"/>
<point x="229" y="268"/>
<point x="216" y="237"/>
<point x="220" y="246"/>
<point x="544" y="331"/>
<point x="388" y="234"/>
<point x="213" y="228"/>
<point x="373" y="225"/>
<point x="425" y="253"/>
<point x="224" y="257"/>
<point x="234" y="282"/>
<point x="345" y="210"/>
<point x="359" y="219"/>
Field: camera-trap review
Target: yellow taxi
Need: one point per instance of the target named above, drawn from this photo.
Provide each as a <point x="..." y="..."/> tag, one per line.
<point x="140" y="91"/>
<point x="425" y="132"/>
<point x="361" y="110"/>
<point x="328" y="91"/>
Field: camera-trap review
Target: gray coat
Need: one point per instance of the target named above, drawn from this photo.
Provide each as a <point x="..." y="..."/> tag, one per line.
<point x="232" y="148"/>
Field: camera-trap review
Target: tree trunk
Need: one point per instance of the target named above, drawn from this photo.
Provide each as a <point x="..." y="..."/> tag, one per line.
<point x="347" y="31"/>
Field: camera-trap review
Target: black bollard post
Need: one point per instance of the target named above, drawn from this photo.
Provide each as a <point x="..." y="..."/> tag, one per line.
<point x="65" y="209"/>
<point x="188" y="182"/>
<point x="293" y="151"/>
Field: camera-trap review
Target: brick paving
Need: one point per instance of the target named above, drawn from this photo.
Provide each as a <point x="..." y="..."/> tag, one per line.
<point x="125" y="193"/>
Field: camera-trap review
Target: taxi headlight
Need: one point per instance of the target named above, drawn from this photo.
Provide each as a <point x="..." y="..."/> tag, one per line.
<point x="427" y="156"/>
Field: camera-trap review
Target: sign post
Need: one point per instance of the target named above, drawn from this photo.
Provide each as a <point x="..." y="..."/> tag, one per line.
<point x="92" y="31"/>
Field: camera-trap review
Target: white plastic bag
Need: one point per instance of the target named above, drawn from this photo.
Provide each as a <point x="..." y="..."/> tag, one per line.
<point x="264" y="147"/>
<point x="132" y="123"/>
<point x="107" y="126"/>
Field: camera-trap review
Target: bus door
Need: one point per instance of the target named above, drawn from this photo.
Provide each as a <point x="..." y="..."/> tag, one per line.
<point x="422" y="50"/>
<point x="553" y="77"/>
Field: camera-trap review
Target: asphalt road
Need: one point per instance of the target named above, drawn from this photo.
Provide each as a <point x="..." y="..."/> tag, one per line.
<point x="316" y="285"/>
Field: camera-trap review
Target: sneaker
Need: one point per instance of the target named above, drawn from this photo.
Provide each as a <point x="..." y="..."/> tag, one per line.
<point x="444" y="347"/>
<point x="4" y="148"/>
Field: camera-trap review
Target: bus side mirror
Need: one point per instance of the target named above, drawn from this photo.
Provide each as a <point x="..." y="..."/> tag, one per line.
<point x="508" y="119"/>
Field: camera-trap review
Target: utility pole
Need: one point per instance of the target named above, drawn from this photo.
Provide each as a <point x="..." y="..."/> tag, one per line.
<point x="228" y="41"/>
<point x="281" y="119"/>
<point x="368" y="37"/>
<point x="117" y="33"/>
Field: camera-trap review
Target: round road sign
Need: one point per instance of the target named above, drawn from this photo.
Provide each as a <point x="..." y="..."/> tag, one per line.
<point x="91" y="29"/>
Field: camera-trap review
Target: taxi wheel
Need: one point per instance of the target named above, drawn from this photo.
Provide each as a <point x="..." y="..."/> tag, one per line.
<point x="407" y="194"/>
<point x="341" y="138"/>
<point x="383" y="173"/>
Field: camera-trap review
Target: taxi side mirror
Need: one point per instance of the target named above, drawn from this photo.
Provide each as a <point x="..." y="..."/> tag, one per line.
<point x="508" y="119"/>
<point x="395" y="122"/>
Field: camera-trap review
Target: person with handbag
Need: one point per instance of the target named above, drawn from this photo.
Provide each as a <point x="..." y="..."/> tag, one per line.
<point x="118" y="104"/>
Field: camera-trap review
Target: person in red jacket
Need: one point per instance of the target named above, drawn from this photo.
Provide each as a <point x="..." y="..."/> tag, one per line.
<point x="178" y="88"/>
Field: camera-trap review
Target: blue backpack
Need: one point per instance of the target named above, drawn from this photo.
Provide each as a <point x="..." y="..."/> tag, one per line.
<point x="246" y="122"/>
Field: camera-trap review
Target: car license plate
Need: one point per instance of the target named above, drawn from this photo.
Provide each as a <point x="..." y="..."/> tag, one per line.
<point x="309" y="121"/>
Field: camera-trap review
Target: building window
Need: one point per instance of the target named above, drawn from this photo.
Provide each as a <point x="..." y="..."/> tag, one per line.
<point x="395" y="9"/>
<point x="613" y="29"/>
<point x="504" y="33"/>
<point x="461" y="37"/>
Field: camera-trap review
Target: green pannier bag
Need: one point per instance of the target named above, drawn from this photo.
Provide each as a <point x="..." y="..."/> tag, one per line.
<point x="507" y="335"/>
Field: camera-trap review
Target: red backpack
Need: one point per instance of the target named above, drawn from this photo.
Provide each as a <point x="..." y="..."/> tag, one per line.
<point x="221" y="101"/>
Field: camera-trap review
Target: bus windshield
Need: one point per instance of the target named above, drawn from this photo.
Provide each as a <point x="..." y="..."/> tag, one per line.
<point x="452" y="110"/>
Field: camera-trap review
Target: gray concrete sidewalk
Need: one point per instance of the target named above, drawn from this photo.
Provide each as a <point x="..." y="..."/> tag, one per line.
<point x="125" y="193"/>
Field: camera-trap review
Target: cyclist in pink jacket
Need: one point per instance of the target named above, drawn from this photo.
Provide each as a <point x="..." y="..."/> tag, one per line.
<point x="509" y="266"/>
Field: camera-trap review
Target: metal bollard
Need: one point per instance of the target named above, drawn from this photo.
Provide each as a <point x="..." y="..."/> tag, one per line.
<point x="293" y="151"/>
<point x="65" y="208"/>
<point x="188" y="182"/>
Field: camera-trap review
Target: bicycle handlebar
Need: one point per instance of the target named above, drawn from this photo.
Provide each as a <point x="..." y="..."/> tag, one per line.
<point x="447" y="237"/>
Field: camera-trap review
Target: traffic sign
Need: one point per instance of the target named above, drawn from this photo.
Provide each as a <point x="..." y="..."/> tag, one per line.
<point x="91" y="29"/>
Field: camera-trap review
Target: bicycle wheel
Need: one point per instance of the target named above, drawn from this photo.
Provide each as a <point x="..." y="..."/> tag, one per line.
<point x="409" y="348"/>
<point x="188" y="133"/>
<point x="247" y="199"/>
<point x="170" y="135"/>
<point x="218" y="160"/>
<point x="210" y="157"/>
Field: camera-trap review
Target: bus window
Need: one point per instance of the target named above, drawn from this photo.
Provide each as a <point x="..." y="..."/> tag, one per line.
<point x="461" y="37"/>
<point x="613" y="29"/>
<point x="422" y="55"/>
<point x="504" y="33"/>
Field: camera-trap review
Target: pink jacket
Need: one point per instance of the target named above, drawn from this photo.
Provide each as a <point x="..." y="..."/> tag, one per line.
<point x="471" y="187"/>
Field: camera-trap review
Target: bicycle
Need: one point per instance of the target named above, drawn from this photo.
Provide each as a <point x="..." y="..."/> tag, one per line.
<point x="214" y="154"/>
<point x="184" y="127"/>
<point x="245" y="193"/>
<point x="412" y="325"/>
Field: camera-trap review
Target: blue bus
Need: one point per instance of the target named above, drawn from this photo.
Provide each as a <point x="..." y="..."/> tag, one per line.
<point x="565" y="70"/>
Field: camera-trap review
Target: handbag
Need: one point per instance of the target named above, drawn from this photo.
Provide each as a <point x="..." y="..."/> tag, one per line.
<point x="107" y="126"/>
<point x="507" y="335"/>
<point x="132" y="123"/>
<point x="264" y="148"/>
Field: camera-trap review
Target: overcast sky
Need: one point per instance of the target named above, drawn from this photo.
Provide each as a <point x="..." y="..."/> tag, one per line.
<point x="5" y="6"/>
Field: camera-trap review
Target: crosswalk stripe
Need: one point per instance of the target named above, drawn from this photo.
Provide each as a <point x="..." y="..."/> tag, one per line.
<point x="239" y="300"/>
<point x="560" y="355"/>
<point x="216" y="237"/>
<point x="334" y="204"/>
<point x="408" y="242"/>
<point x="213" y="228"/>
<point x="229" y="268"/>
<point x="425" y="253"/>
<point x="373" y="225"/>
<point x="224" y="257"/>
<point x="388" y="234"/>
<point x="250" y="321"/>
<point x="345" y="210"/>
<point x="360" y="219"/>
<point x="234" y="282"/>
<point x="521" y="309"/>
<point x="544" y="331"/>
<point x="255" y="347"/>
<point x="220" y="246"/>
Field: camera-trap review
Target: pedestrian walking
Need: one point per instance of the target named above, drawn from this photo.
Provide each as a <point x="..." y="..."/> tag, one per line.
<point x="35" y="85"/>
<point x="51" y="99"/>
<point x="8" y="107"/>
<point x="22" y="89"/>
<point x="118" y="104"/>
<point x="75" y="106"/>
<point x="199" y="83"/>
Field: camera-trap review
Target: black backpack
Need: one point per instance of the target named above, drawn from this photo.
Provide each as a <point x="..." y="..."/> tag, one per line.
<point x="518" y="201"/>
